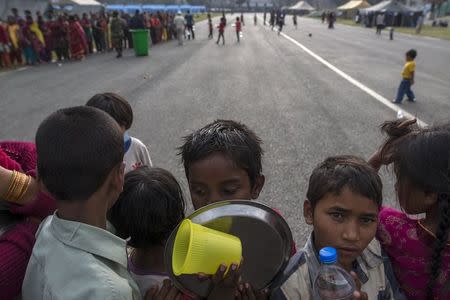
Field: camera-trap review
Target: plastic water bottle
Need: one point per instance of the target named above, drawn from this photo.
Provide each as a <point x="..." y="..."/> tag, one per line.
<point x="332" y="282"/>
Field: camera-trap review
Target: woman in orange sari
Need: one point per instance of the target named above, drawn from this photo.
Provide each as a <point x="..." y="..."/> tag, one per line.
<point x="77" y="39"/>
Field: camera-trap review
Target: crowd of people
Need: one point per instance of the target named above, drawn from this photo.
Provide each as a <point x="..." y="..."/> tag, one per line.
<point x="95" y="223"/>
<point x="43" y="38"/>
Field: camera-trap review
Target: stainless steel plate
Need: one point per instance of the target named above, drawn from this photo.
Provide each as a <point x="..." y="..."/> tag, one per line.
<point x="265" y="236"/>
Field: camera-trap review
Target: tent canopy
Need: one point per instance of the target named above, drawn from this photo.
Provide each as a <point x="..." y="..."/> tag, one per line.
<point x="392" y="6"/>
<point x="79" y="2"/>
<point x="354" y="4"/>
<point x="301" y="5"/>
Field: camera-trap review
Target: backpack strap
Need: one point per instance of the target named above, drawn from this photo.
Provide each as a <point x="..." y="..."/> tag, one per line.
<point x="391" y="280"/>
<point x="294" y="263"/>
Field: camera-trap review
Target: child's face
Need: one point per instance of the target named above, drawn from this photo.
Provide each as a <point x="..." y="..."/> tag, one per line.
<point x="412" y="199"/>
<point x="217" y="178"/>
<point x="347" y="222"/>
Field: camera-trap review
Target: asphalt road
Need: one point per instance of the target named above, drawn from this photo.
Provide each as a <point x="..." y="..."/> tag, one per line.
<point x="301" y="109"/>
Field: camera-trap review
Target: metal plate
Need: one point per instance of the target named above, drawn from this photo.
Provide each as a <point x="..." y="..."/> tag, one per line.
<point x="265" y="236"/>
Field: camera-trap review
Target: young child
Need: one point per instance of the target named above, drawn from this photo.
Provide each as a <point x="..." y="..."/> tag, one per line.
<point x="136" y="153"/>
<point x="80" y="163"/>
<point x="407" y="78"/>
<point x="221" y="31"/>
<point x="147" y="211"/>
<point x="419" y="248"/>
<point x="222" y="161"/>
<point x="210" y="27"/>
<point x="343" y="201"/>
<point x="237" y="24"/>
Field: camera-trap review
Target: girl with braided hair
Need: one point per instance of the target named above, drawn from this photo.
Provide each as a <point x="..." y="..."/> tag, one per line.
<point x="419" y="249"/>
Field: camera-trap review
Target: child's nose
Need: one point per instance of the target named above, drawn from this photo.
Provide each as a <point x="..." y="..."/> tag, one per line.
<point x="351" y="231"/>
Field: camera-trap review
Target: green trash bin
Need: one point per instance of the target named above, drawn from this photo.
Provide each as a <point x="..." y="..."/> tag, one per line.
<point x="140" y="41"/>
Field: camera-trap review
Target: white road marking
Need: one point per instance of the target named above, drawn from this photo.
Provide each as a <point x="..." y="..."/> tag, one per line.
<point x="355" y="82"/>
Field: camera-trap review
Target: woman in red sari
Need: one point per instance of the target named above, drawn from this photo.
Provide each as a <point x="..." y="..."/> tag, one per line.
<point x="77" y="39"/>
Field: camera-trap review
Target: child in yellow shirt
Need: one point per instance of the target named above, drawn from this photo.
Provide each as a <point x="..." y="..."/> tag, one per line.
<point x="408" y="78"/>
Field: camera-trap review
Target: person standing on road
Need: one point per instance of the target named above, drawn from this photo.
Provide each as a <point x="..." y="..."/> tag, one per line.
<point x="280" y="22"/>
<point x="294" y="20"/>
<point x="272" y="19"/>
<point x="190" y="25"/>
<point x="117" y="33"/>
<point x="407" y="78"/>
<point x="419" y="24"/>
<point x="380" y="23"/>
<point x="210" y="27"/>
<point x="255" y="20"/>
<point x="324" y="15"/>
<point x="221" y="31"/>
<point x="331" y="20"/>
<point x="242" y="19"/>
<point x="265" y="17"/>
<point x="179" y="25"/>
<point x="238" y="29"/>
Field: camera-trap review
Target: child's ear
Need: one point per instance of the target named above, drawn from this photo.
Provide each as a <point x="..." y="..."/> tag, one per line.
<point x="430" y="198"/>
<point x="257" y="187"/>
<point x="308" y="213"/>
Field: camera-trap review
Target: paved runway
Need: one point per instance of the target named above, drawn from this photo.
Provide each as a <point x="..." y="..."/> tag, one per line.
<point x="301" y="109"/>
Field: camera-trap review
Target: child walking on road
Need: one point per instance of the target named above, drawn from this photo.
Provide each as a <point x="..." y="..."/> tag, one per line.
<point x="221" y="31"/>
<point x="407" y="78"/>
<point x="238" y="29"/>
<point x="210" y="27"/>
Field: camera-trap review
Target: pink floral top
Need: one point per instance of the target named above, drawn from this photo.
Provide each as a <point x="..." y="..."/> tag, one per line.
<point x="410" y="247"/>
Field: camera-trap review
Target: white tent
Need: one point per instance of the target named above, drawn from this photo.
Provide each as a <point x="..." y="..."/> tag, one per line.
<point x="302" y="6"/>
<point x="354" y="4"/>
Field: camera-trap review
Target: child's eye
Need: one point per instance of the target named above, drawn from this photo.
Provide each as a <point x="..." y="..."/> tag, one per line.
<point x="199" y="192"/>
<point x="367" y="221"/>
<point x="230" y="191"/>
<point x="337" y="216"/>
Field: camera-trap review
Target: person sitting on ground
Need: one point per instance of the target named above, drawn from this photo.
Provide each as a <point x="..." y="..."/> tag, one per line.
<point x="136" y="153"/>
<point x="22" y="207"/>
<point x="149" y="208"/>
<point x="421" y="161"/>
<point x="343" y="201"/>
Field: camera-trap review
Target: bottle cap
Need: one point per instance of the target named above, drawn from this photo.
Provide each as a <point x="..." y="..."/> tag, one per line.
<point x="328" y="255"/>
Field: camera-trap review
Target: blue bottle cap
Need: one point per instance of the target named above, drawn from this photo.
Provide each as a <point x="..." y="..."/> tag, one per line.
<point x="328" y="255"/>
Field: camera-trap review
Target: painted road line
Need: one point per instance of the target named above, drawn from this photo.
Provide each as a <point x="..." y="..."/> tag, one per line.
<point x="355" y="82"/>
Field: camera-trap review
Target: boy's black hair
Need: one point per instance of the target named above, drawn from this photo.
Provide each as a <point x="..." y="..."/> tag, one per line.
<point x="423" y="157"/>
<point x="149" y="208"/>
<point x="411" y="53"/>
<point x="230" y="138"/>
<point x="237" y="18"/>
<point x="337" y="172"/>
<point x="77" y="148"/>
<point x="115" y="105"/>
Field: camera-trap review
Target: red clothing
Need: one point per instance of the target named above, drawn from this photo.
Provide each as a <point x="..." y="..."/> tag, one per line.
<point x="4" y="39"/>
<point x="238" y="26"/>
<point x="16" y="243"/>
<point x="77" y="40"/>
<point x="221" y="27"/>
<point x="410" y="249"/>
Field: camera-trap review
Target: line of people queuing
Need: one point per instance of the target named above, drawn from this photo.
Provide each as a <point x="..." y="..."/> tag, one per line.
<point x="94" y="223"/>
<point x="45" y="38"/>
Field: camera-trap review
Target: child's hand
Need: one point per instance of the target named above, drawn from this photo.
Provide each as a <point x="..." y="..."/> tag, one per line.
<point x="358" y="294"/>
<point x="225" y="287"/>
<point x="167" y="292"/>
<point x="246" y="292"/>
<point x="412" y="81"/>
<point x="377" y="160"/>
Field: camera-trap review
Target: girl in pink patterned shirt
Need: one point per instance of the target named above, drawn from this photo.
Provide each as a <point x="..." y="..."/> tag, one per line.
<point x="419" y="248"/>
